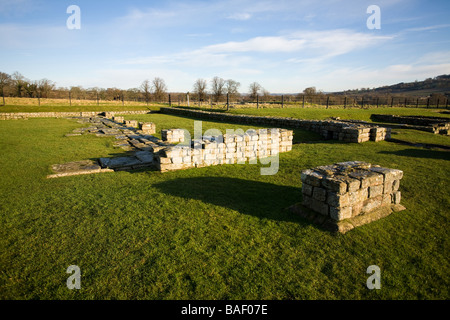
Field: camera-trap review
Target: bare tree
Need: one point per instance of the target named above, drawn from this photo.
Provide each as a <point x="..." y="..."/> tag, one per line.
<point x="159" y="89"/>
<point x="232" y="88"/>
<point x="44" y="87"/>
<point x="146" y="88"/>
<point x="311" y="91"/>
<point x="266" y="95"/>
<point x="200" y="89"/>
<point x="19" y="82"/>
<point x="4" y="81"/>
<point x="76" y="91"/>
<point x="217" y="88"/>
<point x="254" y="90"/>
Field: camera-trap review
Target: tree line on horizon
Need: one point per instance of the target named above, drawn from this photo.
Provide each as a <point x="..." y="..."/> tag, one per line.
<point x="216" y="90"/>
<point x="17" y="85"/>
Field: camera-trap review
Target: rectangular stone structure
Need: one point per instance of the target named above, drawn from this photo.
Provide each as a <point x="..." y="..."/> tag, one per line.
<point x="172" y="135"/>
<point x="345" y="190"/>
<point x="147" y="127"/>
<point x="226" y="149"/>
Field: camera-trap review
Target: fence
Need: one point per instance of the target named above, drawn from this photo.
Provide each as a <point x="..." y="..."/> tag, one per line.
<point x="244" y="101"/>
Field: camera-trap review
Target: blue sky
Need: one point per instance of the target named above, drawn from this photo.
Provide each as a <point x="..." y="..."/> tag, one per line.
<point x="285" y="46"/>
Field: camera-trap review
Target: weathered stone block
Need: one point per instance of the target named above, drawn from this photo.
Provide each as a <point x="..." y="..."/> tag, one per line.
<point x="341" y="213"/>
<point x="307" y="189"/>
<point x="375" y="191"/>
<point x="320" y="194"/>
<point x="338" y="200"/>
<point x="319" y="207"/>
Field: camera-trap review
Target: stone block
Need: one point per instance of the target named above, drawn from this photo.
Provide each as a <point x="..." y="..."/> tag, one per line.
<point x="340" y="213"/>
<point x="376" y="190"/>
<point x="307" y="189"/>
<point x="311" y="177"/>
<point x="320" y="194"/>
<point x="319" y="207"/>
<point x="396" y="197"/>
<point x="338" y="200"/>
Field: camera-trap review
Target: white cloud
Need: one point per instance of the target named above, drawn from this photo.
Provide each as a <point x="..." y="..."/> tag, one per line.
<point x="240" y="16"/>
<point x="315" y="46"/>
<point x="258" y="44"/>
<point x="428" y="28"/>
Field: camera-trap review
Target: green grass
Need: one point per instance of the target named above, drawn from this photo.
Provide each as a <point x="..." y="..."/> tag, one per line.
<point x="423" y="137"/>
<point x="354" y="114"/>
<point x="219" y="232"/>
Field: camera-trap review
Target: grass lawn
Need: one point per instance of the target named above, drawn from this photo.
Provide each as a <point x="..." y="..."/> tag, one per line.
<point x="219" y="232"/>
<point x="417" y="136"/>
<point x="353" y="113"/>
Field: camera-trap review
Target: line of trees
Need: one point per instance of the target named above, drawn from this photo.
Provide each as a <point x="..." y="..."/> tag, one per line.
<point x="215" y="90"/>
<point x="17" y="85"/>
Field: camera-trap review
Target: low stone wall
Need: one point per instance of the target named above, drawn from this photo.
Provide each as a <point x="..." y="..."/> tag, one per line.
<point x="147" y="127"/>
<point x="329" y="129"/>
<point x="172" y="135"/>
<point x="232" y="148"/>
<point x="348" y="190"/>
<point x="26" y="115"/>
<point x="436" y="125"/>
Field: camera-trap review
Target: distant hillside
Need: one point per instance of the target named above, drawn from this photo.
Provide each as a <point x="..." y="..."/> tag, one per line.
<point x="437" y="85"/>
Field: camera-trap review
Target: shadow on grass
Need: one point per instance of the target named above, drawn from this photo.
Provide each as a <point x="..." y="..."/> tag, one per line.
<point x="420" y="153"/>
<point x="259" y="199"/>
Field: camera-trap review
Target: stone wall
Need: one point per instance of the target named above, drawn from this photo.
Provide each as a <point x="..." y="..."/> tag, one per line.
<point x="436" y="125"/>
<point x="26" y="115"/>
<point x="227" y="149"/>
<point x="329" y="129"/>
<point x="147" y="127"/>
<point x="172" y="135"/>
<point x="349" y="189"/>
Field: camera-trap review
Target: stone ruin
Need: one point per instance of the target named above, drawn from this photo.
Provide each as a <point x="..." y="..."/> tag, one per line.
<point x="147" y="151"/>
<point x="349" y="194"/>
<point x="172" y="135"/>
<point x="338" y="197"/>
<point x="343" y="130"/>
<point x="226" y="149"/>
<point x="436" y="125"/>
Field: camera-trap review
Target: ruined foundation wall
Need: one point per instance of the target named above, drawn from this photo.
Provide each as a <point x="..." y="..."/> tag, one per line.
<point x="26" y="115"/>
<point x="329" y="129"/>
<point x="231" y="149"/>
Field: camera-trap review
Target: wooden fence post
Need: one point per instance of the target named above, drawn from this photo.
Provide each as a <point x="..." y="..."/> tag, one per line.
<point x="428" y="102"/>
<point x="328" y="101"/>
<point x="282" y="101"/>
<point x="362" y="102"/>
<point x="406" y="102"/>
<point x="257" y="101"/>
<point x="303" y="101"/>
<point x="437" y="104"/>
<point x="70" y="99"/>
<point x="170" y="101"/>
<point x="345" y="102"/>
<point x="392" y="102"/>
<point x="228" y="101"/>
<point x="417" y="103"/>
